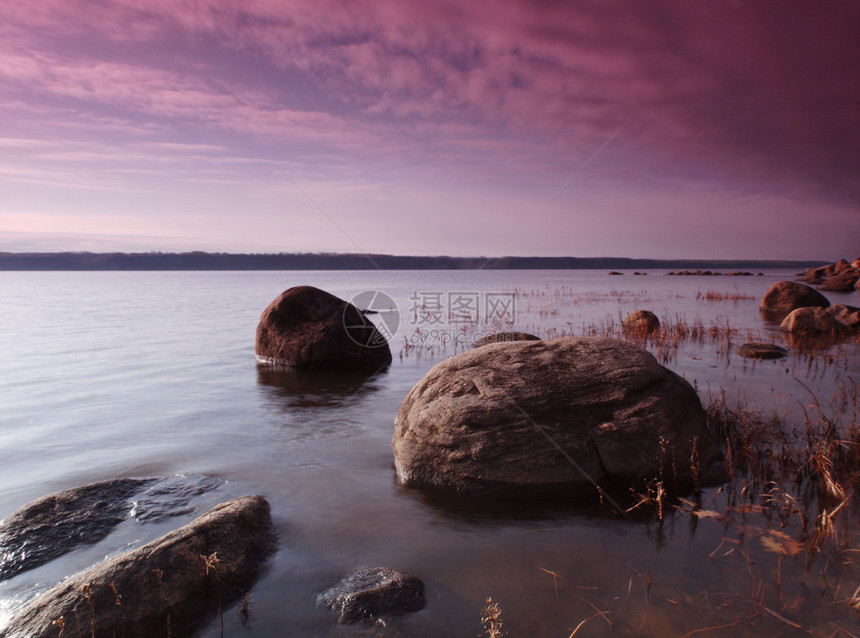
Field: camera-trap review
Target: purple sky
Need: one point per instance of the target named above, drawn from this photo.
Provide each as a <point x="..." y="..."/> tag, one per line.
<point x="688" y="129"/>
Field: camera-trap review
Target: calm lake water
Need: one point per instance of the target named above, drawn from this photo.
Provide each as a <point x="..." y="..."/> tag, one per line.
<point x="108" y="374"/>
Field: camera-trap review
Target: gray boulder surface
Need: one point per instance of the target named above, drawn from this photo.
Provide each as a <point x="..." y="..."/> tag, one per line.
<point x="550" y="417"/>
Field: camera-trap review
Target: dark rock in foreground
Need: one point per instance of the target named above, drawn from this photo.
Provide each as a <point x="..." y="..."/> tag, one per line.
<point x="306" y="328"/>
<point x="546" y="418"/>
<point x="55" y="524"/>
<point x="756" y="350"/>
<point x="372" y="592"/>
<point x="501" y="337"/>
<point x="785" y="296"/>
<point x="642" y="322"/>
<point x="164" y="588"/>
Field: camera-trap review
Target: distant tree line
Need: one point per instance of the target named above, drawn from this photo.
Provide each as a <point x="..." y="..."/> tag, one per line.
<point x="356" y="261"/>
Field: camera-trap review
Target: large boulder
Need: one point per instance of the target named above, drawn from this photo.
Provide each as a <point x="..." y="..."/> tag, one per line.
<point x="552" y="417"/>
<point x="373" y="592"/>
<point x="785" y="296"/>
<point x="641" y="322"/>
<point x="164" y="588"/>
<point x="813" y="322"/>
<point x="306" y="328"/>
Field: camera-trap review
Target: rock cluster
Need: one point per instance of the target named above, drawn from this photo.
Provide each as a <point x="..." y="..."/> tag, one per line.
<point x="840" y="276"/>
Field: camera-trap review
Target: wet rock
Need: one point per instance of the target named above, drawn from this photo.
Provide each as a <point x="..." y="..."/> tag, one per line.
<point x="785" y="296"/>
<point x="842" y="281"/>
<point x="171" y="496"/>
<point x="757" y="350"/>
<point x="55" y="524"/>
<point x="546" y="418"/>
<point x="164" y="588"/>
<point x="500" y="337"/>
<point x="641" y="322"/>
<point x="373" y="592"/>
<point x="306" y="328"/>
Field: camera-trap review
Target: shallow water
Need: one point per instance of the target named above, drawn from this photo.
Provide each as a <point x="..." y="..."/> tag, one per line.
<point x="151" y="374"/>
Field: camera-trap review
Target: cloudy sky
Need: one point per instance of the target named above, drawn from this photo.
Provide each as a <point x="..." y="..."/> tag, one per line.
<point x="716" y="129"/>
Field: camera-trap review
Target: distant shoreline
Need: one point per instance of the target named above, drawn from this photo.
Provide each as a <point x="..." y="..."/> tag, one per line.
<point x="86" y="261"/>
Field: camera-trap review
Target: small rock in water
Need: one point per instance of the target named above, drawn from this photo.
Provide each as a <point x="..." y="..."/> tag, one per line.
<point x="641" y="322"/>
<point x="756" y="350"/>
<point x="372" y="592"/>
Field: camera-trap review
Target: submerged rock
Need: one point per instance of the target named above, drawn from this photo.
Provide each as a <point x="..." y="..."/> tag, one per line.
<point x="164" y="588"/>
<point x="757" y="350"/>
<point x="641" y="322"/>
<point x="372" y="592"/>
<point x="55" y="524"/>
<point x="501" y="337"/>
<point x="535" y="418"/>
<point x="306" y="328"/>
<point x="785" y="296"/>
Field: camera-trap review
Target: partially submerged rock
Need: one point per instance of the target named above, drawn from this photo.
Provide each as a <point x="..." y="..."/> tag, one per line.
<point x="164" y="588"/>
<point x="757" y="350"/>
<point x="373" y="592"/>
<point x="843" y="281"/>
<point x="550" y="417"/>
<point x="785" y="296"/>
<point x="55" y="524"/>
<point x="813" y="322"/>
<point x="501" y="337"/>
<point x="306" y="328"/>
<point x="641" y="322"/>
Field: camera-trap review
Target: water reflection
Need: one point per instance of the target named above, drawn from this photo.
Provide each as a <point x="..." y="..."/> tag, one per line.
<point x="475" y="509"/>
<point x="290" y="389"/>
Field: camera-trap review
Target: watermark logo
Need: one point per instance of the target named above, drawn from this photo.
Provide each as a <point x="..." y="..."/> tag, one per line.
<point x="437" y="316"/>
<point x="429" y="308"/>
<point x="383" y="309"/>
